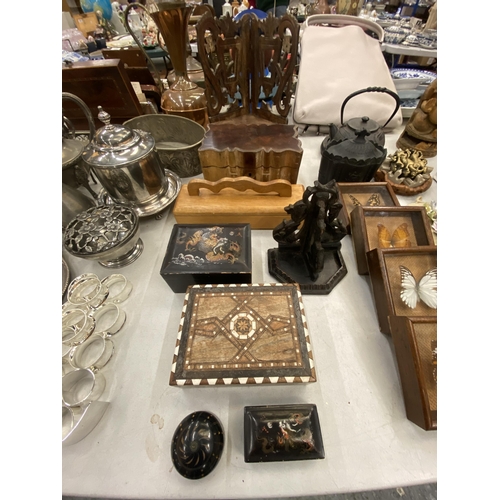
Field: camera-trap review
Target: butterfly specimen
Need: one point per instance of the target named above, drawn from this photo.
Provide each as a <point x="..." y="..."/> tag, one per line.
<point x="373" y="201"/>
<point x="400" y="238"/>
<point x="425" y="290"/>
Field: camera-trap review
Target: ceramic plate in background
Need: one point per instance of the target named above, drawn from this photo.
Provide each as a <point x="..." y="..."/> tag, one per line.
<point x="407" y="73"/>
<point x="408" y="83"/>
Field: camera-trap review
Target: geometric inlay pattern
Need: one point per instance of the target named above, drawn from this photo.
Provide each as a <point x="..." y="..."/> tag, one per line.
<point x="243" y="334"/>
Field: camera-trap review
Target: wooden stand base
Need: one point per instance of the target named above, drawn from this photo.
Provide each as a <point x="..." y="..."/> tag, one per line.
<point x="290" y="267"/>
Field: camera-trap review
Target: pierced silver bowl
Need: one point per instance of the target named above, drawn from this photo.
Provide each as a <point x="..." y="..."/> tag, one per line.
<point x="106" y="233"/>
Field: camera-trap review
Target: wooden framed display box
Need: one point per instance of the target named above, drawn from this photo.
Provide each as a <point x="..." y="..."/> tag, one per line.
<point x="366" y="194"/>
<point x="207" y="254"/>
<point x="388" y="267"/>
<point x="415" y="343"/>
<point x="388" y="227"/>
<point x="243" y="335"/>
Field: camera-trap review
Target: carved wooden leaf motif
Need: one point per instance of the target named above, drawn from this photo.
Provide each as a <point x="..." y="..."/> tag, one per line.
<point x="262" y="49"/>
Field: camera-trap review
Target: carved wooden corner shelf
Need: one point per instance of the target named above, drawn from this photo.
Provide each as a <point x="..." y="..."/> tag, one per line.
<point x="248" y="65"/>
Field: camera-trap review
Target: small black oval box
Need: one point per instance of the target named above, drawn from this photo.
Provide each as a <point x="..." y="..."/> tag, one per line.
<point x="197" y="445"/>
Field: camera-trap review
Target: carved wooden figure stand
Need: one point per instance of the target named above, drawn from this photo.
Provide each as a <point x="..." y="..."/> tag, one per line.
<point x="309" y="243"/>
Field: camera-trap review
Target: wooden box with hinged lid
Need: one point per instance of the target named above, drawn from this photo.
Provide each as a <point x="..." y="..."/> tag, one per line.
<point x="404" y="282"/>
<point x="415" y="344"/>
<point x="388" y="227"/>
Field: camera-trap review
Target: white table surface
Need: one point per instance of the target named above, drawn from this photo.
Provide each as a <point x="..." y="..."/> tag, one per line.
<point x="369" y="443"/>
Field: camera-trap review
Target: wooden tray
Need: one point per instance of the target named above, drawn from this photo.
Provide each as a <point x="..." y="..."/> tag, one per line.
<point x="367" y="194"/>
<point x="388" y="227"/>
<point x="243" y="201"/>
<point x="386" y="280"/>
<point x="243" y="334"/>
<point x="415" y="343"/>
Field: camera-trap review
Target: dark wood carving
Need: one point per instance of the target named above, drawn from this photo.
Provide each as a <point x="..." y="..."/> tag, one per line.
<point x="248" y="65"/>
<point x="274" y="43"/>
<point x="309" y="243"/>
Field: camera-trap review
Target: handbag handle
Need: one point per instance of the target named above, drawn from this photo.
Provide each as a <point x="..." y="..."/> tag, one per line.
<point x="344" y="20"/>
<point x="371" y="89"/>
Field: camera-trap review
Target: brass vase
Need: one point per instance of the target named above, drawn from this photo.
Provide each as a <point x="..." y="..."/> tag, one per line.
<point x="182" y="97"/>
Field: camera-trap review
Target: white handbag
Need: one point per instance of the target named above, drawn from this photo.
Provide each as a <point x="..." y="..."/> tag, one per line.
<point x="338" y="58"/>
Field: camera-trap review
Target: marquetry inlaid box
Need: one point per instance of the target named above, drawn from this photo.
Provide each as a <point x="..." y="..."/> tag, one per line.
<point x="364" y="194"/>
<point x="243" y="334"/>
<point x="415" y="343"/>
<point x="207" y="254"/>
<point x="388" y="227"/>
<point x="404" y="282"/>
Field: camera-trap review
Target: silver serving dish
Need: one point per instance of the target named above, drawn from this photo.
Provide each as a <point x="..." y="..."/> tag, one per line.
<point x="106" y="233"/>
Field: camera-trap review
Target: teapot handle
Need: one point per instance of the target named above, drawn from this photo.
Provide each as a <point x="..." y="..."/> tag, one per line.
<point x="372" y="89"/>
<point x="86" y="111"/>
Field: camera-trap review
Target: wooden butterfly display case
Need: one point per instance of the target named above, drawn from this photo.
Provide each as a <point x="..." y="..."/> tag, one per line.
<point x="404" y="282"/>
<point x="388" y="227"/>
<point x="415" y="343"/>
<point x="365" y="194"/>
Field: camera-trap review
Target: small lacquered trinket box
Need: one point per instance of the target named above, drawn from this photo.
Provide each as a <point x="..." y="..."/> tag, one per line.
<point x="207" y="254"/>
<point x="282" y="433"/>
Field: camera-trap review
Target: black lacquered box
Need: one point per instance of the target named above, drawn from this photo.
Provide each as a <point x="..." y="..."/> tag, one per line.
<point x="207" y="254"/>
<point x="278" y="433"/>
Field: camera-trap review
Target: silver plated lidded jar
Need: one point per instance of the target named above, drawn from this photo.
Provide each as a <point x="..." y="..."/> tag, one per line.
<point x="127" y="165"/>
<point x="106" y="233"/>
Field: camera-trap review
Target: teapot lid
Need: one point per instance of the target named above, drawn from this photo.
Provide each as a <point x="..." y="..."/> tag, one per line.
<point x="117" y="145"/>
<point x="363" y="123"/>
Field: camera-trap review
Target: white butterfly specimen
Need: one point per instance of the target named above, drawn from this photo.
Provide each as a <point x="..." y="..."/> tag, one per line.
<point x="425" y="290"/>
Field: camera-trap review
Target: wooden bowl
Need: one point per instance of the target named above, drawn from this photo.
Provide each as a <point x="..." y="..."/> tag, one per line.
<point x="402" y="189"/>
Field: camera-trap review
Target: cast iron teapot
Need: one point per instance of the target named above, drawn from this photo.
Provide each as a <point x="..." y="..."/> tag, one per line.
<point x="351" y="129"/>
<point x="351" y="160"/>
